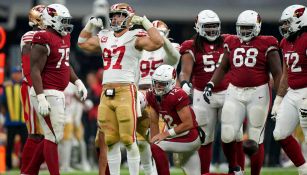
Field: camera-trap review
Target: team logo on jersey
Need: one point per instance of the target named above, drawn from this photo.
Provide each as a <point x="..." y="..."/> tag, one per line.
<point x="299" y="12"/>
<point x="104" y="39"/>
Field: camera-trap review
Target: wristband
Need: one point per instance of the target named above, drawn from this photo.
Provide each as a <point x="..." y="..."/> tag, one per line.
<point x="172" y="132"/>
<point x="81" y="40"/>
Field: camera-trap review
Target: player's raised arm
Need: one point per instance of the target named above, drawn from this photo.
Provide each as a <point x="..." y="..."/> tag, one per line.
<point x="151" y="42"/>
<point x="86" y="41"/>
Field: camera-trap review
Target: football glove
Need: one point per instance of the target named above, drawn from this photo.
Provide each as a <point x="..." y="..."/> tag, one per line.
<point x="137" y="20"/>
<point x="43" y="105"/>
<point x="208" y="91"/>
<point x="92" y="23"/>
<point x="275" y="107"/>
<point x="82" y="91"/>
<point x="187" y="87"/>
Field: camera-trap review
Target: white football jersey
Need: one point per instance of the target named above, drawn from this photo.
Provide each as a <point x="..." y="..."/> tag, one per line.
<point x="150" y="61"/>
<point x="120" y="57"/>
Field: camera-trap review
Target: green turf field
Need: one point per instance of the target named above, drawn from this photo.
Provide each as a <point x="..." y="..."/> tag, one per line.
<point x="265" y="171"/>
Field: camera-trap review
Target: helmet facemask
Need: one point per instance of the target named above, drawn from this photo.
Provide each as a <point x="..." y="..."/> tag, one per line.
<point x="163" y="80"/>
<point x="66" y="26"/>
<point x="246" y="32"/>
<point x="211" y="31"/>
<point x="116" y="24"/>
<point x="285" y="28"/>
<point x="161" y="87"/>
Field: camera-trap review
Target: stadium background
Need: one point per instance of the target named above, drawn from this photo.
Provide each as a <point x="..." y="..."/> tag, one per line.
<point x="179" y="15"/>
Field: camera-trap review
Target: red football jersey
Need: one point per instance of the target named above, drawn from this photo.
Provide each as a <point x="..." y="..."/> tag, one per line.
<point x="56" y="73"/>
<point x="248" y="60"/>
<point x="295" y="56"/>
<point x="171" y="102"/>
<point x="205" y="64"/>
<point x="25" y="58"/>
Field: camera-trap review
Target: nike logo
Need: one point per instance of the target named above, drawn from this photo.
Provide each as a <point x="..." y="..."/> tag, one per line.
<point x="260" y="97"/>
<point x="180" y="98"/>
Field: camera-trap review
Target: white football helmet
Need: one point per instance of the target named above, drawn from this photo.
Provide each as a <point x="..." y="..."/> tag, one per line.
<point x="208" y="25"/>
<point x="162" y="27"/>
<point x="164" y="79"/>
<point x="58" y="17"/>
<point x="248" y="25"/>
<point x="292" y="19"/>
<point x="121" y="9"/>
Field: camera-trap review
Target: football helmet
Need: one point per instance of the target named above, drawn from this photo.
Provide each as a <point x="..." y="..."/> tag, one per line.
<point x="121" y="9"/>
<point x="35" y="16"/>
<point x="292" y="19"/>
<point x="208" y="25"/>
<point x="248" y="25"/>
<point x="162" y="27"/>
<point x="163" y="79"/>
<point x="58" y="17"/>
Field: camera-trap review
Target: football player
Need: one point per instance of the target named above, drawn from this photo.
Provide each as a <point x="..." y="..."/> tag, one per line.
<point x="73" y="129"/>
<point x="50" y="74"/>
<point x="35" y="133"/>
<point x="121" y="50"/>
<point x="249" y="59"/>
<point x="290" y="105"/>
<point x="168" y="54"/>
<point x="201" y="56"/>
<point x="181" y="135"/>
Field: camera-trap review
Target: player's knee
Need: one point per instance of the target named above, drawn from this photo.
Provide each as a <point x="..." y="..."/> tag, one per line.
<point x="278" y="135"/>
<point x="255" y="133"/>
<point x="228" y="134"/>
<point x="126" y="139"/>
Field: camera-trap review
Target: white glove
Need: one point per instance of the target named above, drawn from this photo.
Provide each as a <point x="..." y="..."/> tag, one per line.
<point x="43" y="105"/>
<point x="187" y="87"/>
<point x="141" y="21"/>
<point x="92" y="23"/>
<point x="275" y="107"/>
<point x="88" y="105"/>
<point x="82" y="91"/>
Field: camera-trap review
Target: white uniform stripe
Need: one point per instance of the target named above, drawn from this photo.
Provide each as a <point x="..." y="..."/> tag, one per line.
<point x="132" y="90"/>
<point x="31" y="117"/>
